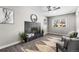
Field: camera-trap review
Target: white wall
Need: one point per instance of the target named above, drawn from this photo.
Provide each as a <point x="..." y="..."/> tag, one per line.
<point x="77" y="21"/>
<point x="70" y="24"/>
<point x="9" y="32"/>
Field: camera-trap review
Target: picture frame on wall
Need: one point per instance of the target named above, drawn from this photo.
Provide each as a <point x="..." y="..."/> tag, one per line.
<point x="45" y="21"/>
<point x="6" y="16"/>
<point x="60" y="23"/>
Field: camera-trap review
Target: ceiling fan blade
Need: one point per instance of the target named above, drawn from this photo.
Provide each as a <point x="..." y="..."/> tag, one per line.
<point x="55" y="8"/>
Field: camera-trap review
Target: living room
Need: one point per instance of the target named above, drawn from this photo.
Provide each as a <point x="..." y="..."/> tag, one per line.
<point x="53" y="24"/>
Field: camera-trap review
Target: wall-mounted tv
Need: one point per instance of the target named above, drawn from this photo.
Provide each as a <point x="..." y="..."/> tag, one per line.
<point x="28" y="26"/>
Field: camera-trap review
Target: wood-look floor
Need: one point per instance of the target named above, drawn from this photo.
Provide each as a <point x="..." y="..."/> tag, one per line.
<point x="31" y="46"/>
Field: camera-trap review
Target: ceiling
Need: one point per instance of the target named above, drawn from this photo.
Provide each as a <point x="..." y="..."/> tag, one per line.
<point x="61" y="11"/>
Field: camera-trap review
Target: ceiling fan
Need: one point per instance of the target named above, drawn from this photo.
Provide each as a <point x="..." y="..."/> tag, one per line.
<point x="51" y="8"/>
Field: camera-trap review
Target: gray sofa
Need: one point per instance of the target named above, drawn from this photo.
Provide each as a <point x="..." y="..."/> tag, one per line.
<point x="68" y="45"/>
<point x="73" y="45"/>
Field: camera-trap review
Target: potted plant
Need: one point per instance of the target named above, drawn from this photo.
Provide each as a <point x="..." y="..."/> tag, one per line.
<point x="73" y="34"/>
<point x="23" y="36"/>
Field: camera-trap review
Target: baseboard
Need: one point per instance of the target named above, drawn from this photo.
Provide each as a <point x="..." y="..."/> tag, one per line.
<point x="8" y="45"/>
<point x="57" y="34"/>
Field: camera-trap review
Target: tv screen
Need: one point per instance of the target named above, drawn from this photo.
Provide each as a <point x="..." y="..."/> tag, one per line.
<point x="31" y="25"/>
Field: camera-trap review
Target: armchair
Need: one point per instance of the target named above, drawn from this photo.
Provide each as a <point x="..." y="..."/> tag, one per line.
<point x="63" y="46"/>
<point x="68" y="44"/>
<point x="71" y="45"/>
